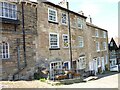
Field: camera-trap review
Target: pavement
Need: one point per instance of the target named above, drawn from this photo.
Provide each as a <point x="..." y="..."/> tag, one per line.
<point x="103" y="81"/>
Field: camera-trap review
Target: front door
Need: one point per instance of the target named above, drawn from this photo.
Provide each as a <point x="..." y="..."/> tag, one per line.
<point x="103" y="64"/>
<point x="95" y="66"/>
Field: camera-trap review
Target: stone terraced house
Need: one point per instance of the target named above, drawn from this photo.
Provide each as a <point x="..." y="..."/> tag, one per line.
<point x="43" y="34"/>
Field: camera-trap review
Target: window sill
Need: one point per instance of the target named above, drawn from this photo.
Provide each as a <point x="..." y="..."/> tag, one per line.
<point x="53" y="22"/>
<point x="80" y="28"/>
<point x="54" y="48"/>
<point x="6" y="60"/>
<point x="65" y="24"/>
<point x="95" y="37"/>
<point x="104" y="50"/>
<point x="98" y="51"/>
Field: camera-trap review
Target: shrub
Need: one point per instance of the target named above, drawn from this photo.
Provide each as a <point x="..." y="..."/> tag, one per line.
<point x="42" y="79"/>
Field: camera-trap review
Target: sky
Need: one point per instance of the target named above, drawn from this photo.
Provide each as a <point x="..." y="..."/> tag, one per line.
<point x="104" y="13"/>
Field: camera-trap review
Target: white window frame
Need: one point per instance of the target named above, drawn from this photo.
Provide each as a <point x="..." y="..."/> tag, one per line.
<point x="96" y="33"/>
<point x="99" y="62"/>
<point x="4" y="8"/>
<point x="106" y="59"/>
<point x="104" y="34"/>
<point x="81" y="63"/>
<point x="97" y="46"/>
<point x="79" y="23"/>
<point x="111" y="44"/>
<point x="81" y="41"/>
<point x="62" y="19"/>
<point x="57" y="46"/>
<point x="64" y="40"/>
<point x="104" y="46"/>
<point x="4" y="54"/>
<point x="58" y="67"/>
<point x="113" y="62"/>
<point x="52" y="16"/>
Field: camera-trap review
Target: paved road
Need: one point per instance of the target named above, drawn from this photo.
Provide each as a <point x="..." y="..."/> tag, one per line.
<point x="104" y="82"/>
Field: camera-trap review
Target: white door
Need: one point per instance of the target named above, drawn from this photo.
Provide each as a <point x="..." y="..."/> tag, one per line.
<point x="91" y="66"/>
<point x="103" y="64"/>
<point x="95" y="66"/>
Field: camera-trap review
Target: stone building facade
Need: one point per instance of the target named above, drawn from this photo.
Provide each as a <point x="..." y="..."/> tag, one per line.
<point x="38" y="36"/>
<point x="97" y="48"/>
<point x="17" y="20"/>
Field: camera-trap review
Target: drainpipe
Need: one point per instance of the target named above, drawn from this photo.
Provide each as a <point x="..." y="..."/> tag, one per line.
<point x="23" y="31"/>
<point x="70" y="48"/>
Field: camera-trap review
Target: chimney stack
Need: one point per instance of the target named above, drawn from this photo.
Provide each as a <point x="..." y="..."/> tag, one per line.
<point x="81" y="13"/>
<point x="90" y="19"/>
<point x="63" y="3"/>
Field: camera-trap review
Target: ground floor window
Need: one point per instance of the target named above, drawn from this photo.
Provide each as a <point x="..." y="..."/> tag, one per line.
<point x="4" y="50"/>
<point x="113" y="62"/>
<point x="55" y="68"/>
<point x="106" y="59"/>
<point x="81" y="63"/>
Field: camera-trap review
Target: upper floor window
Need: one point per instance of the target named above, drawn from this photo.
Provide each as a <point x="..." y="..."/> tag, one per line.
<point x="104" y="34"/>
<point x="8" y="10"/>
<point x="54" y="40"/>
<point x="4" y="50"/>
<point x="96" y="33"/>
<point x="52" y="15"/>
<point x="73" y="22"/>
<point x="104" y="45"/>
<point x="97" y="46"/>
<point x="111" y="44"/>
<point x="81" y="41"/>
<point x="79" y="23"/>
<point x="64" y="18"/>
<point x="65" y="41"/>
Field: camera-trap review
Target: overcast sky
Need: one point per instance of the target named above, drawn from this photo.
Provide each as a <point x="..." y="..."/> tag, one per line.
<point x="104" y="13"/>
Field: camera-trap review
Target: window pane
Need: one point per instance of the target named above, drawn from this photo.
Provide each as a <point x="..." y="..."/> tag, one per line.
<point x="64" y="18"/>
<point x="9" y="11"/>
<point x="52" y="15"/>
<point x="53" y="41"/>
<point x="4" y="52"/>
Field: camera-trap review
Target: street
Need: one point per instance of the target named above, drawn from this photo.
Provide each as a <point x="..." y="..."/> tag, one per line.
<point x="104" y="82"/>
<point x="110" y="81"/>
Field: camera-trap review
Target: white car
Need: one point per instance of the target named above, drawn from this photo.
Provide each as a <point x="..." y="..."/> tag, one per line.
<point x="114" y="68"/>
